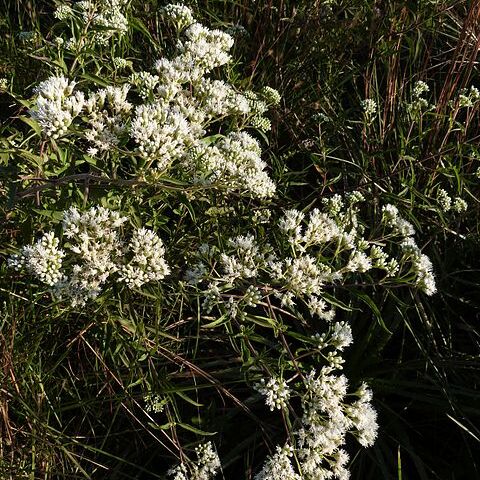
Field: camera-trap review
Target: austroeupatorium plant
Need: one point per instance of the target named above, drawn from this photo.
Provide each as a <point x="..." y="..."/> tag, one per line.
<point x="194" y="262"/>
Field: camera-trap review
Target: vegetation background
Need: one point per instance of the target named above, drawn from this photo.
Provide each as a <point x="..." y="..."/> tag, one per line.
<point x="421" y="355"/>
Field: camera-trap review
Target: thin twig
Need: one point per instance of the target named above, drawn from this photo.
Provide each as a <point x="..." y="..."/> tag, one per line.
<point x="48" y="183"/>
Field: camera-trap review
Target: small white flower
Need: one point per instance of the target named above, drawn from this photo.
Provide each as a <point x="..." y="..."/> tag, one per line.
<point x="420" y="88"/>
<point x="468" y="98"/>
<point x="359" y="262"/>
<point x="369" y="107"/>
<point x="154" y="403"/>
<point x="278" y="466"/>
<point x="148" y="263"/>
<point x="43" y="259"/>
<point x="459" y="205"/>
<point x="320" y="229"/>
<point x="276" y="392"/>
<point x="303" y="276"/>
<point x="444" y="200"/>
<point x="341" y="335"/>
<point x="319" y="307"/>
<point x="63" y="12"/>
<point x="205" y="468"/>
<point x="271" y="95"/>
<point x="180" y="15"/>
<point x="56" y="105"/>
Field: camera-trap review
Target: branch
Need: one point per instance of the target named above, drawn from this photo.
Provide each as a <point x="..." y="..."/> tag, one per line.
<point x="92" y="178"/>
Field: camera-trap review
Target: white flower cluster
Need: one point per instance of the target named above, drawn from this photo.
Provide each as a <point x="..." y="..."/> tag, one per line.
<point x="96" y="251"/>
<point x="326" y="236"/>
<point x="369" y="107"/>
<point x="468" y="98"/>
<point x="460" y="205"/>
<point x="173" y="125"/>
<point x="419" y="103"/>
<point x="244" y="262"/>
<point x="148" y="263"/>
<point x="179" y="15"/>
<point x="56" y="105"/>
<point x="205" y="468"/>
<point x="145" y="83"/>
<point x="218" y="99"/>
<point x="326" y="420"/>
<point x="120" y="62"/>
<point x="330" y="412"/>
<point x="279" y="466"/>
<point x="271" y="96"/>
<point x="44" y="259"/>
<point x="445" y="201"/>
<point x="258" y="106"/>
<point x="243" y="166"/>
<point x="276" y="392"/>
<point x="339" y="224"/>
<point x="303" y="276"/>
<point x="363" y="417"/>
<point x="161" y="132"/>
<point x="205" y="49"/>
<point x="359" y="262"/>
<point x="320" y="229"/>
<point x="233" y="162"/>
<point x="320" y="249"/>
<point x="420" y="88"/>
<point x="421" y="265"/>
<point x="252" y="296"/>
<point x="339" y="336"/>
<point x="63" y="12"/>
<point x="399" y="225"/>
<point x="201" y="51"/>
<point x="154" y="403"/>
<point x="107" y="16"/>
<point x="95" y="243"/>
<point x="318" y="308"/>
<point x="381" y="260"/>
<point x="108" y="114"/>
<point x="182" y="109"/>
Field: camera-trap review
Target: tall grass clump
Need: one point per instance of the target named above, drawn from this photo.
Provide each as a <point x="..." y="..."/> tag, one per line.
<point x="237" y="240"/>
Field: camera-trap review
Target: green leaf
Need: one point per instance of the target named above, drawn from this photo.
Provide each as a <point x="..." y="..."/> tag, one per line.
<point x="218" y="321"/>
<point x="187" y="398"/>
<point x="33" y="124"/>
<point x="195" y="430"/>
<point x="138" y="25"/>
<point x="53" y="214"/>
<point x="368" y="301"/>
<point x="93" y="78"/>
<point x="337" y="303"/>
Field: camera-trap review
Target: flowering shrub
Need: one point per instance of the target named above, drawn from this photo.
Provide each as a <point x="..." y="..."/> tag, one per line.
<point x="287" y="279"/>
<point x="202" y="302"/>
<point x="284" y="275"/>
